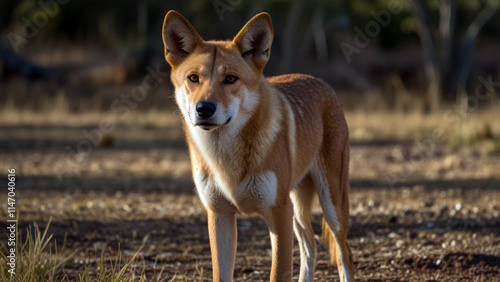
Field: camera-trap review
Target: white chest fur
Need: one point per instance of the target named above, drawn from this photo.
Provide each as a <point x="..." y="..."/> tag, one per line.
<point x="254" y="194"/>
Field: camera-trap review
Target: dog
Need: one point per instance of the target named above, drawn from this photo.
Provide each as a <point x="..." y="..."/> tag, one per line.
<point x="261" y="145"/>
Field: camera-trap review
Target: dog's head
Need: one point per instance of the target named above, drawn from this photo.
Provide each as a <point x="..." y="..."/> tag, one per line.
<point x="216" y="82"/>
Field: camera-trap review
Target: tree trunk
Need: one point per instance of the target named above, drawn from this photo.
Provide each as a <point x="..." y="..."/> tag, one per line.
<point x="288" y="45"/>
<point x="469" y="42"/>
<point x="432" y="69"/>
<point x="448" y="48"/>
<point x="319" y="35"/>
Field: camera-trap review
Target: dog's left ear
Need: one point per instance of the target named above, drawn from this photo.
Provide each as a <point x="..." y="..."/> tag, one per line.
<point x="254" y="40"/>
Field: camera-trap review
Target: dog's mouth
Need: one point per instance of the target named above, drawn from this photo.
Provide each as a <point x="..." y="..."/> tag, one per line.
<point x="205" y="125"/>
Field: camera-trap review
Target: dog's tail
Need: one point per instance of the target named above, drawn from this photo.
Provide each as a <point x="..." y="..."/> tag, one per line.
<point x="329" y="241"/>
<point x="336" y="239"/>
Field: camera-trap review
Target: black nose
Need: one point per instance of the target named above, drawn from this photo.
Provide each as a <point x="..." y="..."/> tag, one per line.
<point x="205" y="109"/>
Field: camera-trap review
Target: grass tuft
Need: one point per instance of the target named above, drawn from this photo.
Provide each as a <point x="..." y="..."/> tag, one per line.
<point x="118" y="270"/>
<point x="37" y="259"/>
<point x="33" y="262"/>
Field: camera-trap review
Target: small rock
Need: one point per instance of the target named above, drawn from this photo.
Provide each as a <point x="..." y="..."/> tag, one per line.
<point x="400" y="243"/>
<point x="371" y="203"/>
<point x="393" y="235"/>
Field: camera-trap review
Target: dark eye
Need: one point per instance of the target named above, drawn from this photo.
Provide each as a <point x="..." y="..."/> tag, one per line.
<point x="194" y="78"/>
<point x="230" y="79"/>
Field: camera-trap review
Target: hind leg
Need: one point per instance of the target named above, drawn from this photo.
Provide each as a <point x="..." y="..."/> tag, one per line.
<point x="335" y="206"/>
<point x="302" y="198"/>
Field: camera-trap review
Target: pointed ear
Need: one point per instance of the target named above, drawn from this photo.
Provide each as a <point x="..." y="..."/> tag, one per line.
<point x="254" y="40"/>
<point x="179" y="37"/>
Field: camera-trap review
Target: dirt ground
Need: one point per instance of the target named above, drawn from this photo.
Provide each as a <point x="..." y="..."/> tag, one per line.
<point x="417" y="213"/>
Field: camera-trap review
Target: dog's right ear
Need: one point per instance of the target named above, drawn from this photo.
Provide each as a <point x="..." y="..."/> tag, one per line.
<point x="179" y="37"/>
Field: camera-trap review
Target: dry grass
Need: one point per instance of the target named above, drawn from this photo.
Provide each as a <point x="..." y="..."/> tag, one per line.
<point x="36" y="259"/>
<point x="372" y="118"/>
<point x="454" y="127"/>
<point x="447" y="127"/>
<point x="118" y="270"/>
<point x="39" y="259"/>
<point x="9" y="117"/>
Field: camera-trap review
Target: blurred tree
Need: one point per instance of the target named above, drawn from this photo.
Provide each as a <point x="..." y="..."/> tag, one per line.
<point x="307" y="35"/>
<point x="448" y="55"/>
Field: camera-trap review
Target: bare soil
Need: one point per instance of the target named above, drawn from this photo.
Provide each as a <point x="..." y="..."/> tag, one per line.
<point x="416" y="214"/>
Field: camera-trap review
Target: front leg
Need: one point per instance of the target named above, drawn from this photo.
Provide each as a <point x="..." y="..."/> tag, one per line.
<point x="221" y="226"/>
<point x="222" y="233"/>
<point x="281" y="231"/>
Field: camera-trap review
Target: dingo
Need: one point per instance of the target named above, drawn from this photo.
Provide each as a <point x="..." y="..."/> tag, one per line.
<point x="260" y="145"/>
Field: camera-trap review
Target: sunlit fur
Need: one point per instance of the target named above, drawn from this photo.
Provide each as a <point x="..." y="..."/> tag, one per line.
<point x="269" y="148"/>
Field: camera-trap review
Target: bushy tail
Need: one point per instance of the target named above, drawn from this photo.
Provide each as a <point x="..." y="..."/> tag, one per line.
<point x="339" y="190"/>
<point x="329" y="240"/>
